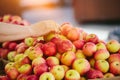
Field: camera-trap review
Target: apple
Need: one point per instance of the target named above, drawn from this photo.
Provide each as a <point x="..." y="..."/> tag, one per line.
<point x="32" y="77"/>
<point x="89" y="49"/>
<point x="115" y="67"/>
<point x="65" y="28"/>
<point x="114" y="57"/>
<point x="21" y="47"/>
<point x="49" y="36"/>
<point x="12" y="73"/>
<point x="25" y="69"/>
<point x="8" y="66"/>
<point x="11" y="55"/>
<point x="109" y="75"/>
<point x="5" y="44"/>
<point x="113" y="46"/>
<point x="39" y="69"/>
<point x="6" y="18"/>
<point x="67" y="58"/>
<point x="72" y="75"/>
<point x="93" y="74"/>
<point x="81" y="65"/>
<point x="73" y="34"/>
<point x="58" y="55"/>
<point x="79" y="43"/>
<point x="92" y="38"/>
<point x="64" y="45"/>
<point x="3" y="53"/>
<point x="34" y="52"/>
<point x="101" y="45"/>
<point x="58" y="72"/>
<point x="38" y="61"/>
<point x="22" y="77"/>
<point x="102" y="65"/>
<point x="101" y="54"/>
<point x="49" y="49"/>
<point x="79" y="54"/>
<point x="12" y="46"/>
<point x="29" y="41"/>
<point x="83" y="78"/>
<point x="52" y="61"/>
<point x="47" y="76"/>
<point x="4" y="78"/>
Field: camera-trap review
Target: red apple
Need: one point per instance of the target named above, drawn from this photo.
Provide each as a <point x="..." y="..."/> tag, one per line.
<point x="8" y="66"/>
<point x="39" y="69"/>
<point x="115" y="67"/>
<point x="101" y="45"/>
<point x="114" y="57"/>
<point x="93" y="74"/>
<point x="89" y="49"/>
<point x="52" y="61"/>
<point x="67" y="58"/>
<point x="49" y="49"/>
<point x="3" y="53"/>
<point x="4" y="78"/>
<point x="79" y="44"/>
<point x="64" y="45"/>
<point x="12" y="73"/>
<point x="5" y="44"/>
<point x="92" y="38"/>
<point x="12" y="46"/>
<point x="32" y="77"/>
<point x="22" y="77"/>
<point x="20" y="48"/>
<point x="79" y="54"/>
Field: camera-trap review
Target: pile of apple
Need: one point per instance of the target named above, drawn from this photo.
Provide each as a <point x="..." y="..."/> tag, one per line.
<point x="71" y="54"/>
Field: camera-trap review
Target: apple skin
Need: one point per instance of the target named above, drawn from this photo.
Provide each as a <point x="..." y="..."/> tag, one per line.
<point x="34" y="52"/>
<point x="65" y="28"/>
<point x="101" y="45"/>
<point x="47" y="76"/>
<point x="58" y="72"/>
<point x="114" y="57"/>
<point x="3" y="53"/>
<point x="12" y="46"/>
<point x="29" y="41"/>
<point x="11" y="55"/>
<point x="8" y="66"/>
<point x="22" y="77"/>
<point x="38" y="61"/>
<point x="5" y="44"/>
<point x="39" y="69"/>
<point x="6" y="18"/>
<point x="52" y="61"/>
<point x="49" y="49"/>
<point x="113" y="46"/>
<point x="72" y="75"/>
<point x="81" y="65"/>
<point x="4" y="78"/>
<point x="109" y="75"/>
<point x="102" y="65"/>
<point x="66" y="68"/>
<point x="79" y="54"/>
<point x="64" y="45"/>
<point x="21" y="47"/>
<point x="25" y="69"/>
<point x="67" y="58"/>
<point x="89" y="49"/>
<point x="93" y="74"/>
<point x="115" y="67"/>
<point x="12" y="73"/>
<point x="79" y="44"/>
<point x="101" y="54"/>
<point x="32" y="77"/>
<point x="73" y="34"/>
<point x="92" y="38"/>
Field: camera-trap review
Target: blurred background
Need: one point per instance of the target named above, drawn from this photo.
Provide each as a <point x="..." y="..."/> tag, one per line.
<point x="101" y="17"/>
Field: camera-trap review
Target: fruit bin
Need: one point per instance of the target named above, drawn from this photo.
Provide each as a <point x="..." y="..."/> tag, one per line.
<point x="59" y="54"/>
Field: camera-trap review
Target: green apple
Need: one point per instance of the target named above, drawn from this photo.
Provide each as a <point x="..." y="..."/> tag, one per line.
<point x="101" y="45"/>
<point x="9" y="65"/>
<point x="29" y="41"/>
<point x="72" y="75"/>
<point x="46" y="76"/>
<point x="108" y="75"/>
<point x="11" y="55"/>
<point x="58" y="72"/>
<point x="81" y="65"/>
<point x="113" y="46"/>
<point x="102" y="65"/>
